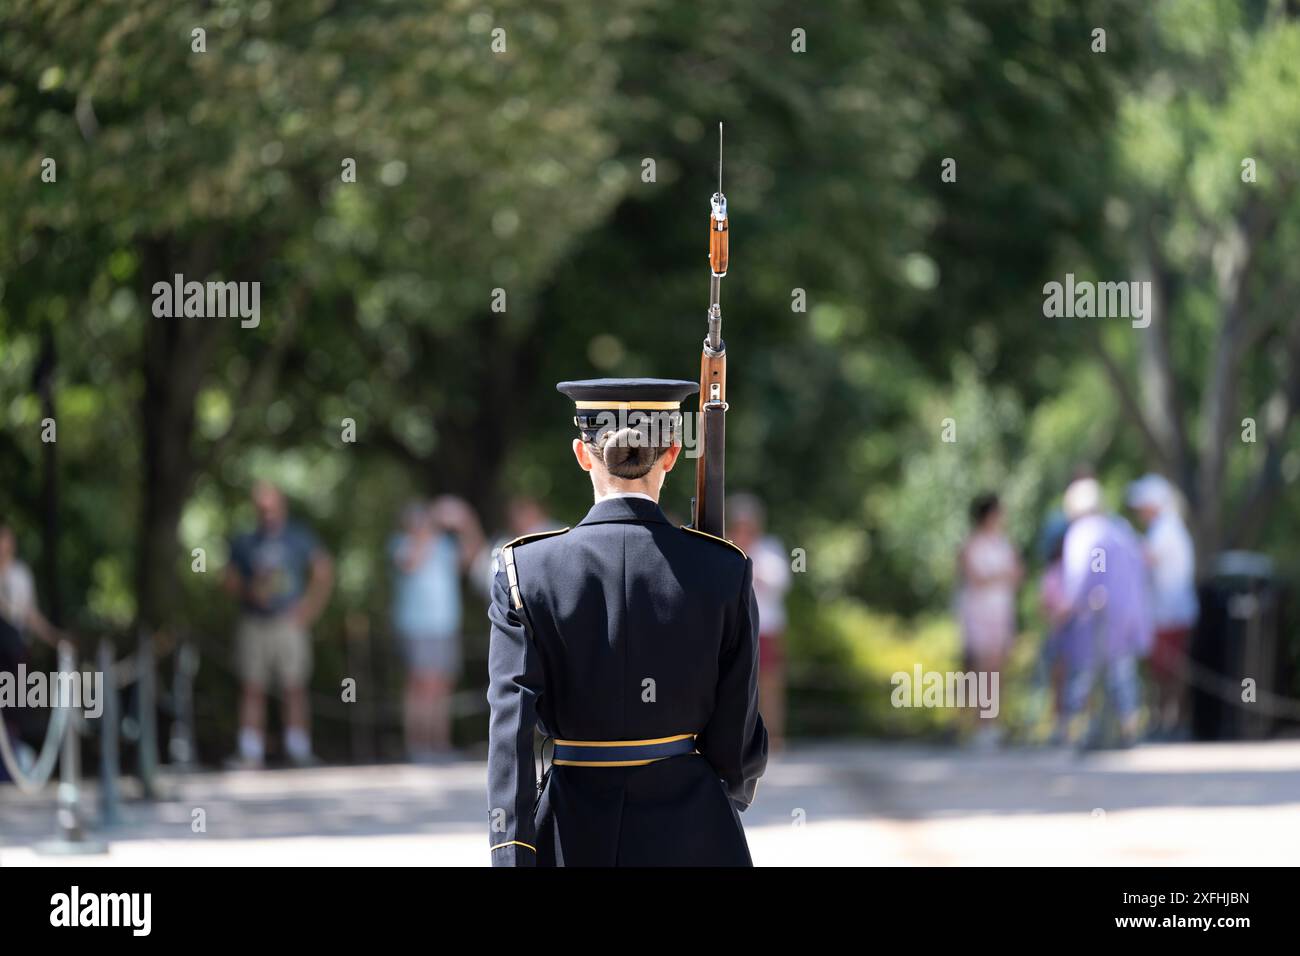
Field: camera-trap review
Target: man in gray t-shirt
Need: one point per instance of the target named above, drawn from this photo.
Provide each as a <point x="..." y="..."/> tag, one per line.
<point x="281" y="577"/>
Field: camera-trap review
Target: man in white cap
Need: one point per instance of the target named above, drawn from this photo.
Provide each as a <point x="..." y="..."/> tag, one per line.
<point x="1171" y="560"/>
<point x="1105" y="590"/>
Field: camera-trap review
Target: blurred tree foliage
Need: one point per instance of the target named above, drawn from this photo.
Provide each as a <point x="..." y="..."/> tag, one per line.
<point x="522" y="169"/>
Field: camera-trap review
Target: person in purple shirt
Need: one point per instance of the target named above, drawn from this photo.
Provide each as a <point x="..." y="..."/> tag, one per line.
<point x="1105" y="595"/>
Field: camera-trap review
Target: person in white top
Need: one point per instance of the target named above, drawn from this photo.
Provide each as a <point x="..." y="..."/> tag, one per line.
<point x="746" y="519"/>
<point x="19" y="614"/>
<point x="1171" y="560"/>
<point x="19" y="618"/>
<point x="990" y="572"/>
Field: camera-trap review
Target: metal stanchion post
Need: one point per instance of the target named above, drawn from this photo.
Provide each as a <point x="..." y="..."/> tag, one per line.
<point x="362" y="723"/>
<point x="109" y="750"/>
<point x="146" y="698"/>
<point x="72" y="839"/>
<point x="180" y="745"/>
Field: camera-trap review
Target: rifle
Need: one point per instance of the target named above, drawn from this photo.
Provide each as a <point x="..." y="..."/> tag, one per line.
<point x="710" y="468"/>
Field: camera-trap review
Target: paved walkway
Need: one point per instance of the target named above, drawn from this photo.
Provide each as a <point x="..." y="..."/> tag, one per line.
<point x="829" y="804"/>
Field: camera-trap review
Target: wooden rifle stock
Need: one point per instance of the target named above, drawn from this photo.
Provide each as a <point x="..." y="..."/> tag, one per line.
<point x="710" y="467"/>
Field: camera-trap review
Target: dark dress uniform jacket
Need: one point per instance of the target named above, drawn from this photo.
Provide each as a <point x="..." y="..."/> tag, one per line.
<point x="624" y="628"/>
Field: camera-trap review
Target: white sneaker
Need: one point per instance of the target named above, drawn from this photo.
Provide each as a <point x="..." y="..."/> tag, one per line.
<point x="25" y="755"/>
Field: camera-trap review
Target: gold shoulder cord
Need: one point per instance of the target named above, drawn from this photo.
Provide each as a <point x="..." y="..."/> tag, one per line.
<point x="508" y="560"/>
<point x="714" y="537"/>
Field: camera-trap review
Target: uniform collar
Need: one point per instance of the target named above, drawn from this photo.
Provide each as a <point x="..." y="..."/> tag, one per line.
<point x="624" y="509"/>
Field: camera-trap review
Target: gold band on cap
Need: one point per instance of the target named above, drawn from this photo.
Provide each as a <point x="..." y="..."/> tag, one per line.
<point x="629" y="406"/>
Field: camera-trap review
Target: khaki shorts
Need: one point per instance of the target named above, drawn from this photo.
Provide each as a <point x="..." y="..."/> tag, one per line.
<point x="271" y="648"/>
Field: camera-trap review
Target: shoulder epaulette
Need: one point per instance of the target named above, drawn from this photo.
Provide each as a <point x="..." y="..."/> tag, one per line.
<point x="714" y="537"/>
<point x="508" y="561"/>
<point x="535" y="536"/>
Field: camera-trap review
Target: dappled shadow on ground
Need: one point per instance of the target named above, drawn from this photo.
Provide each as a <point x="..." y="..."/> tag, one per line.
<point x="339" y="801"/>
<point x="825" y="783"/>
<point x="915" y="783"/>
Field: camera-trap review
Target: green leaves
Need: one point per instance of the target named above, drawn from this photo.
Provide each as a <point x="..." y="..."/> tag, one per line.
<point x="387" y="175"/>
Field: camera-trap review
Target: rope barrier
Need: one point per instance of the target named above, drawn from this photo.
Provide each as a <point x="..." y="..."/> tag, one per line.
<point x="44" y="766"/>
<point x="179" y="703"/>
<point x="1266" y="703"/>
<point x="326" y="705"/>
<point x="807" y="678"/>
<point x="62" y="745"/>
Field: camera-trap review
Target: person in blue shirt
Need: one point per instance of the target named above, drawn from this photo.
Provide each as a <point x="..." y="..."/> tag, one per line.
<point x="436" y="544"/>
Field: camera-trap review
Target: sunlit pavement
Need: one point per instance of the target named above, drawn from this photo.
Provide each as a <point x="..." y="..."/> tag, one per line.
<point x="827" y="804"/>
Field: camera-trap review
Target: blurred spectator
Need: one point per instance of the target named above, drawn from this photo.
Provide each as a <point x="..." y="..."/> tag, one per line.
<point x="19" y="618"/>
<point x="19" y="613"/>
<point x="746" y="520"/>
<point x="282" y="578"/>
<point x="1065" y="649"/>
<point x="1105" y="594"/>
<point x="989" y="570"/>
<point x="435" y="544"/>
<point x="1171" y="559"/>
<point x="524" y="515"/>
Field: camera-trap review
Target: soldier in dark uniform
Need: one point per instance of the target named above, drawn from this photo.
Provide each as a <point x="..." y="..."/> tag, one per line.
<point x="632" y="645"/>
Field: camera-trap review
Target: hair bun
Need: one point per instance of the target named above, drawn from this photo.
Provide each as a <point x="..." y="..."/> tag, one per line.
<point x="627" y="452"/>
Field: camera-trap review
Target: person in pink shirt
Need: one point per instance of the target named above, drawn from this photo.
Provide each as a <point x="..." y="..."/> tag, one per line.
<point x="745" y="523"/>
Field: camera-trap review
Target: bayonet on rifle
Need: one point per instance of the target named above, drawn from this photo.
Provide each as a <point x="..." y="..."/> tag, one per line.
<point x="710" y="473"/>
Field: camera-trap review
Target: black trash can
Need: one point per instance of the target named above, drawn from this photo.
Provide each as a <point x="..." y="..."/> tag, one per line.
<point x="1238" y="636"/>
